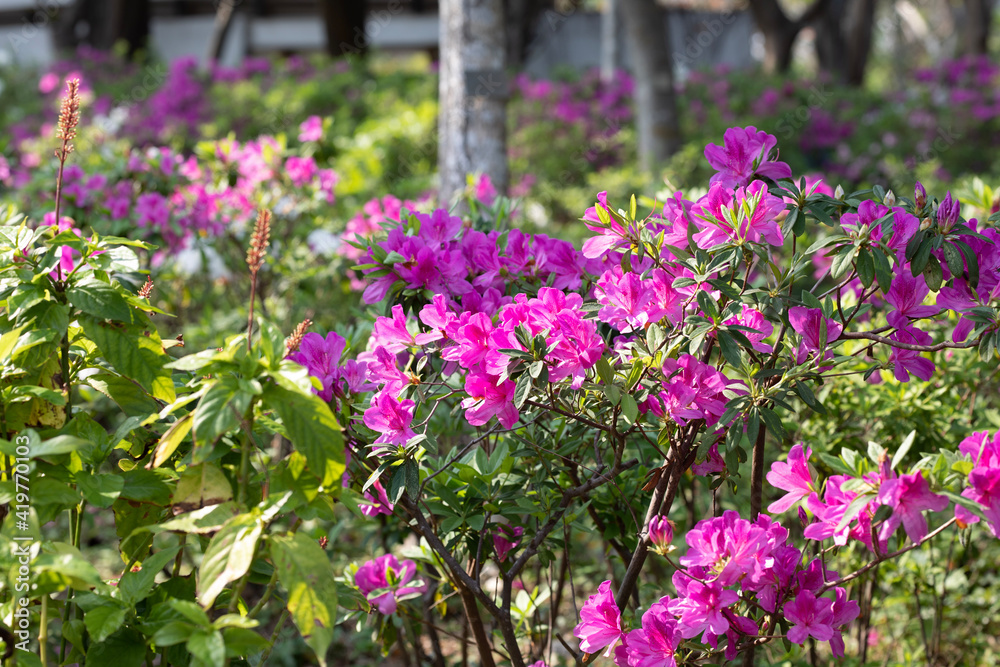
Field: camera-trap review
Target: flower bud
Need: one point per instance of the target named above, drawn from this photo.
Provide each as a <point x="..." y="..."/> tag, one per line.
<point x="925" y="224"/>
<point x="947" y="213"/>
<point x="839" y="192"/>
<point x="920" y="195"/>
<point x="661" y="534"/>
<point x="889" y="199"/>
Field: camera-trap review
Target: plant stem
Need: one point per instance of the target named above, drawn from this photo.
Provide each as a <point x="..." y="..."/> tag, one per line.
<point x="43" y="632"/>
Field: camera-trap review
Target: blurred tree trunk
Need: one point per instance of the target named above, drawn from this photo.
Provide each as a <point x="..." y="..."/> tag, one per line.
<point x="844" y="39"/>
<point x="223" y="22"/>
<point x="472" y="132"/>
<point x="345" y="26"/>
<point x="978" y="17"/>
<point x="103" y="23"/>
<point x="656" y="103"/>
<point x="610" y="47"/>
<point x="780" y="31"/>
<point x="779" y="34"/>
<point x="522" y="17"/>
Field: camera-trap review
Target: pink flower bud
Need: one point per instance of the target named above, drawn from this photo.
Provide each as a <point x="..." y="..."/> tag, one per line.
<point x="919" y="195"/>
<point x="661" y="533"/>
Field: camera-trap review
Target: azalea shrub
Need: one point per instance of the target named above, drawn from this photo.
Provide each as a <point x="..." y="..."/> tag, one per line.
<point x="739" y="425"/>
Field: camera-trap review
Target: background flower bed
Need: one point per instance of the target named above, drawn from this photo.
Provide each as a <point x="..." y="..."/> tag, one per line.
<point x="182" y="182"/>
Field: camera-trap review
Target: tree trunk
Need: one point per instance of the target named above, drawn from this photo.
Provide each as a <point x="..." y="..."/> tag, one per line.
<point x="102" y="23"/>
<point x="472" y="132"/>
<point x="656" y="104"/>
<point x="345" y="26"/>
<point x="131" y="23"/>
<point x="610" y="58"/>
<point x="779" y="34"/>
<point x="223" y="22"/>
<point x="978" y="16"/>
<point x="522" y="17"/>
<point x="844" y="38"/>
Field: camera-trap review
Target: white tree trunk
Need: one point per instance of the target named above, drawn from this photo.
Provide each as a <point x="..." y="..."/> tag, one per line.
<point x="473" y="95"/>
<point x="656" y="103"/>
<point x="609" y="40"/>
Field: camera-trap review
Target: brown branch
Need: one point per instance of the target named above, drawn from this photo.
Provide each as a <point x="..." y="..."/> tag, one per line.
<point x="864" y="335"/>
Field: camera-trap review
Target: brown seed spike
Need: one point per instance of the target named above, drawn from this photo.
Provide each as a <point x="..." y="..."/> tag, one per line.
<point x="259" y="241"/>
<point x="293" y="342"/>
<point x="69" y="116"/>
<point x="146" y="289"/>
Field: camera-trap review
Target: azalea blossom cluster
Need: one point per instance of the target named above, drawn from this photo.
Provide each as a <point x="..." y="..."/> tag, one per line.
<point x="502" y="322"/>
<point x="177" y="201"/>
<point x="730" y="564"/>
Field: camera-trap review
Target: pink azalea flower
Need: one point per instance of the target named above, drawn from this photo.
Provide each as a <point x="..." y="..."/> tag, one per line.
<point x="392" y="333"/>
<point x="701" y="610"/>
<point x="505" y="539"/>
<point x="906" y="295"/>
<point x="717" y="207"/>
<point x="489" y="399"/>
<point x="744" y="153"/>
<point x="300" y="170"/>
<point x="321" y="357"/>
<point x="387" y="574"/>
<point x="807" y="322"/>
<point x="311" y="129"/>
<point x="725" y="546"/>
<point x="600" y="622"/>
<point x="653" y="644"/>
<point x="911" y="361"/>
<point x="844" y="613"/>
<point x="811" y="617"/>
<point x="795" y="477"/>
<point x="610" y="238"/>
<point x="908" y="496"/>
<point x="376" y="504"/>
<point x="391" y="418"/>
<point x="754" y="319"/>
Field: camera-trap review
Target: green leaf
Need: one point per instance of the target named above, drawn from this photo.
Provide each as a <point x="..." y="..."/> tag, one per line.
<point x="135" y="587"/>
<point x="218" y="412"/>
<point x="311" y="427"/>
<point x="773" y="423"/>
<point x="134" y="355"/>
<point x="953" y="257"/>
<point x="933" y="274"/>
<point x="806" y="393"/>
<point x="171" y="440"/>
<point x="129" y="396"/>
<point x="630" y="410"/>
<point x="304" y="571"/>
<point x="921" y="256"/>
<point x="522" y="390"/>
<point x="201" y="485"/>
<point x="100" y="300"/>
<point x="883" y="272"/>
<point x="904" y="447"/>
<point x="104" y="621"/>
<point x="604" y="371"/>
<point x="228" y="556"/>
<point x="272" y="343"/>
<point x="207" y="648"/>
<point x="125" y="648"/>
<point x="866" y="268"/>
<point x="61" y="444"/>
<point x="730" y="350"/>
<point x="101" y="490"/>
<point x="172" y="633"/>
